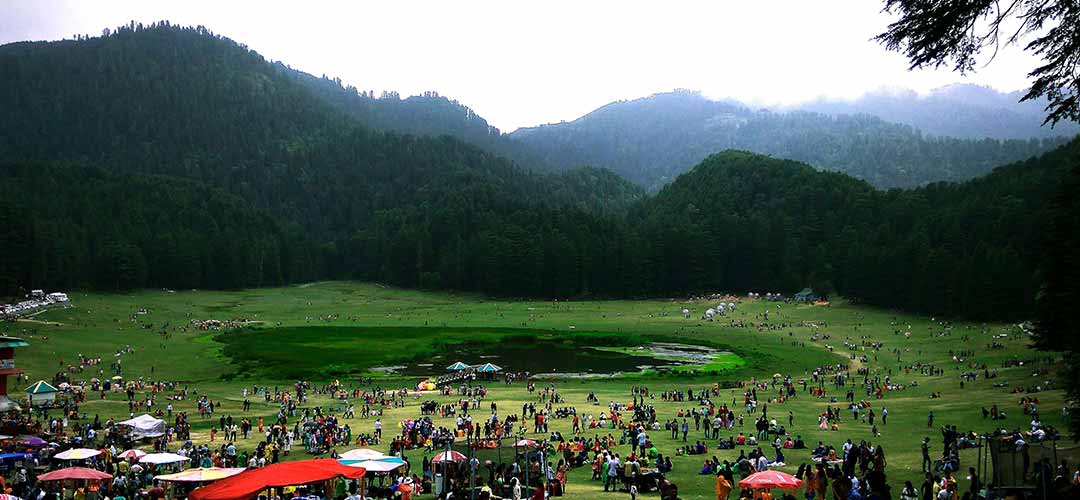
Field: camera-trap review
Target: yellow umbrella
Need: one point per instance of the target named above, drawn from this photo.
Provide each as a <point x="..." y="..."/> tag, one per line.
<point x="201" y="475"/>
<point x="77" y="454"/>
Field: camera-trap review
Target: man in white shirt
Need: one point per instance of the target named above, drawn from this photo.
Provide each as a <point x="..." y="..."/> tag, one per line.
<point x="613" y="472"/>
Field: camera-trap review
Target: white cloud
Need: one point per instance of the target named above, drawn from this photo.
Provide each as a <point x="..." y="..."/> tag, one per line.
<point x="525" y="63"/>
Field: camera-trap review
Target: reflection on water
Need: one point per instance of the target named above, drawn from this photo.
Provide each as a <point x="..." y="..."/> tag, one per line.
<point x="541" y="356"/>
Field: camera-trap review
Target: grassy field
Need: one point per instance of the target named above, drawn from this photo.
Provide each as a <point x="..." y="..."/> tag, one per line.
<point x="337" y="330"/>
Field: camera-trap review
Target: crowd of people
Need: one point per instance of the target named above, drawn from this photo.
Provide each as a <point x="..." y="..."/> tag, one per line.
<point x="619" y="442"/>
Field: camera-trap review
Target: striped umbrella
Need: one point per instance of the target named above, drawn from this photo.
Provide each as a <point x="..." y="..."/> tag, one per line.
<point x="133" y="454"/>
<point x="489" y="368"/>
<point x="448" y="456"/>
<point x="378" y="465"/>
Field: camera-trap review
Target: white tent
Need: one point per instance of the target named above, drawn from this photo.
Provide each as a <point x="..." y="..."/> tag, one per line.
<point x="362" y="454"/>
<point x="162" y="458"/>
<point x="145" y="426"/>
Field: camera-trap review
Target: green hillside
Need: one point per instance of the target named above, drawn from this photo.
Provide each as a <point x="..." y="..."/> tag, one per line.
<point x="313" y="194"/>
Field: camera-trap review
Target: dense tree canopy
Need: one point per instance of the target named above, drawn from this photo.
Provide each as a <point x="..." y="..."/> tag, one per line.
<point x="67" y="226"/>
<point x="934" y="33"/>
<point x="169" y="157"/>
<point x="1056" y="325"/>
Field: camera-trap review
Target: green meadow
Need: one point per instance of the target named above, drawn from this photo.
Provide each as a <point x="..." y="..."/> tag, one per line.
<point x="342" y="331"/>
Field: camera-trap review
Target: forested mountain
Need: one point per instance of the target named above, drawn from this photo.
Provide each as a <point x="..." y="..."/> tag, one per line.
<point x="168" y="157"/>
<point x="961" y="110"/>
<point x="428" y="114"/>
<point x="182" y="103"/>
<point x="652" y="140"/>
<point x="971" y="249"/>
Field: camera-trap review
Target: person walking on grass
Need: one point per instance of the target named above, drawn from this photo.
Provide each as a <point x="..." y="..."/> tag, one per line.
<point x="723" y="487"/>
<point x="926" y="463"/>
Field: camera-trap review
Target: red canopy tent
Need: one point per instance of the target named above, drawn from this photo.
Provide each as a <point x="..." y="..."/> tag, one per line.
<point x="73" y="473"/>
<point x="246" y="485"/>
<point x="771" y="479"/>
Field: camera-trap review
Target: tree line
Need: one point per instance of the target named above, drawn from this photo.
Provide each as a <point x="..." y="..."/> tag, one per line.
<point x="169" y="157"/>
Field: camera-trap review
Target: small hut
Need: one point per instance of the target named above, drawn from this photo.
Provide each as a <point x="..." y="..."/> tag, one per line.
<point x="41" y="392"/>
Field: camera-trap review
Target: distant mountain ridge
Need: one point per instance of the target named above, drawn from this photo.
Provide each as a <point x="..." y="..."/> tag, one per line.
<point x="637" y="139"/>
<point x="958" y="110"/>
<point x="170" y="157"/>
<point x="652" y="140"/>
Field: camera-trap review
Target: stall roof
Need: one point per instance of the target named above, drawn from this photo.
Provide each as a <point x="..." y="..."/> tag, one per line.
<point x="6" y="341"/>
<point x="40" y="387"/>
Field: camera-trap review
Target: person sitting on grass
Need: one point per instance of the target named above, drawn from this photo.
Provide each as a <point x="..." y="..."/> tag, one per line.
<point x="779" y="461"/>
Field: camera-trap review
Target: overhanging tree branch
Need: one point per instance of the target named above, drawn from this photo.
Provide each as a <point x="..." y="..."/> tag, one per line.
<point x="935" y="33"/>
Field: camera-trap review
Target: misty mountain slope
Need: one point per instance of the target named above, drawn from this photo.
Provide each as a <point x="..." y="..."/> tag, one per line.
<point x="652" y="140"/>
<point x="960" y="110"/>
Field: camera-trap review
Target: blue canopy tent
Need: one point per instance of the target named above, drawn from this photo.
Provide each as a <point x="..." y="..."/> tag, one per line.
<point x="456" y="367"/>
<point x="8" y="461"/>
<point x="488" y="368"/>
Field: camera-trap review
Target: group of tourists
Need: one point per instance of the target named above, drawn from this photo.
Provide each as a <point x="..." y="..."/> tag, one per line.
<point x="622" y="442"/>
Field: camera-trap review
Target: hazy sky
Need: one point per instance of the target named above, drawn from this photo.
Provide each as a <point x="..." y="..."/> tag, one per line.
<point x="525" y="63"/>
